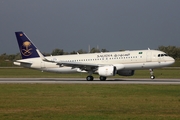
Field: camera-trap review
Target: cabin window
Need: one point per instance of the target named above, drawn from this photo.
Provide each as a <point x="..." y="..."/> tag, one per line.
<point x="140" y="52"/>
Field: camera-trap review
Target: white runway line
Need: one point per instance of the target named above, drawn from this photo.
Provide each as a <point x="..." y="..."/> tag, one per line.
<point x="83" y="81"/>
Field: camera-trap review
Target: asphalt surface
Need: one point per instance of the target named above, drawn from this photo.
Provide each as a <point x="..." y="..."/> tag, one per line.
<point x="83" y="81"/>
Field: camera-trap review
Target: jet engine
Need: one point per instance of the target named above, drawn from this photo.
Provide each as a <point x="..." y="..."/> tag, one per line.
<point x="107" y="71"/>
<point x="125" y="72"/>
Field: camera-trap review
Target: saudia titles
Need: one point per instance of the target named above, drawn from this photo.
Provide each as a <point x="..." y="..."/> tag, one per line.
<point x="113" y="55"/>
<point x="26" y="50"/>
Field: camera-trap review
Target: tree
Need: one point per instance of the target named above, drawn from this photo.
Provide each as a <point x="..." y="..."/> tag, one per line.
<point x="73" y="52"/>
<point x="104" y="50"/>
<point x="172" y="51"/>
<point x="4" y="56"/>
<point x="18" y="56"/>
<point x="94" y="50"/>
<point x="57" y="52"/>
<point x="81" y="51"/>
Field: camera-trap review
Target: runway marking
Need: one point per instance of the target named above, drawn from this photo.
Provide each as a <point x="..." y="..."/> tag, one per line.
<point x="83" y="81"/>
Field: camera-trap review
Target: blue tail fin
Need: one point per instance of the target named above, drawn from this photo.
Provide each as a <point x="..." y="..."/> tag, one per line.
<point x="26" y="47"/>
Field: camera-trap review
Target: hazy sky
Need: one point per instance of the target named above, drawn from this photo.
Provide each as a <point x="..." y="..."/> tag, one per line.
<point x="75" y="24"/>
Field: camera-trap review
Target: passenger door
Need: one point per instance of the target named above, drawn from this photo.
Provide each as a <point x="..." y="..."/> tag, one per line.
<point x="148" y="56"/>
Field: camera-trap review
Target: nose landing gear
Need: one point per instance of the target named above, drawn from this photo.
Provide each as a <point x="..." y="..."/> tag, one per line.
<point x="151" y="74"/>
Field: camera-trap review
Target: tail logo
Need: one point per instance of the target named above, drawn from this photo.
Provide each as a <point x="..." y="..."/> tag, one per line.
<point x="26" y="49"/>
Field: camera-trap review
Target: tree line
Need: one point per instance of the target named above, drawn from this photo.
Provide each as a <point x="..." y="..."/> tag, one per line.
<point x="172" y="51"/>
<point x="13" y="57"/>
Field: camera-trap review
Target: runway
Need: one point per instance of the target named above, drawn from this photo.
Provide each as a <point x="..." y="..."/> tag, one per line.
<point x="83" y="81"/>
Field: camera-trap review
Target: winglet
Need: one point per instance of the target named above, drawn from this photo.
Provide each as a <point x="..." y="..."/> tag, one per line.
<point x="41" y="55"/>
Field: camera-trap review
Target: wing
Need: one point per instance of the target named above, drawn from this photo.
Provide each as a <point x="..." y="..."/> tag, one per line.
<point x="82" y="66"/>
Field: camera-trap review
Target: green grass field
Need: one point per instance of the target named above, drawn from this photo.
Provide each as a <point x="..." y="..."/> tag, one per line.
<point x="89" y="102"/>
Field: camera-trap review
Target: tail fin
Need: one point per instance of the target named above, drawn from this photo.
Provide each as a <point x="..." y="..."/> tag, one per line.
<point x="26" y="47"/>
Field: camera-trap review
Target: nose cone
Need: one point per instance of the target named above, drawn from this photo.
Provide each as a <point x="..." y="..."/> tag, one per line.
<point x="171" y="60"/>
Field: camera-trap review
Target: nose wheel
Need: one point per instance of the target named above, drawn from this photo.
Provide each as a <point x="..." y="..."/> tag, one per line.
<point x="152" y="77"/>
<point x="151" y="74"/>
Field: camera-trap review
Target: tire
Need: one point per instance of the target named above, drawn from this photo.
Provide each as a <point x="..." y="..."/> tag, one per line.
<point x="89" y="78"/>
<point x="152" y="77"/>
<point x="102" y="78"/>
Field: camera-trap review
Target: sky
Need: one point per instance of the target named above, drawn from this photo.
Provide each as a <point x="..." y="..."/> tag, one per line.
<point x="72" y="25"/>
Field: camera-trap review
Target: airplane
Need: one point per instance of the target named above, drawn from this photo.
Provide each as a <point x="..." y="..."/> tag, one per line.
<point x="106" y="64"/>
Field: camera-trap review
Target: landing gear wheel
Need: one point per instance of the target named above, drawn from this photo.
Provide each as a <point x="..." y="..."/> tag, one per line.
<point x="102" y="78"/>
<point x="151" y="73"/>
<point x="89" y="78"/>
<point x="152" y="77"/>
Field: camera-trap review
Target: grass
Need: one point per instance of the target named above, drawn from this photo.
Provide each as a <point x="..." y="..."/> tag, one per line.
<point x="89" y="102"/>
<point x="29" y="73"/>
<point x="177" y="63"/>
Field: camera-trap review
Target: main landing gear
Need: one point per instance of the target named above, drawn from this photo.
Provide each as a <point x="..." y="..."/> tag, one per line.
<point x="102" y="78"/>
<point x="91" y="78"/>
<point x="151" y="74"/>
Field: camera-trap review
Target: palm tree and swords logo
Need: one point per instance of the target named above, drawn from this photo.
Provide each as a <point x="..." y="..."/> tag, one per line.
<point x="26" y="51"/>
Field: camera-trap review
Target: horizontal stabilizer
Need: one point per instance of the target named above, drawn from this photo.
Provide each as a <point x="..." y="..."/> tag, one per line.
<point x="24" y="61"/>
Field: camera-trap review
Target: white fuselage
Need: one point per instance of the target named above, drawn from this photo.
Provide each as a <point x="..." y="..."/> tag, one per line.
<point x="123" y="60"/>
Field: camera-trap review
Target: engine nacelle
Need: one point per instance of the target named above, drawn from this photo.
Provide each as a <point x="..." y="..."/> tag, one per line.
<point x="107" y="71"/>
<point x="125" y="72"/>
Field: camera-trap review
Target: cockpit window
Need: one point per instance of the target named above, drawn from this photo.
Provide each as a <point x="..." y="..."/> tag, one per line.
<point x="161" y="55"/>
